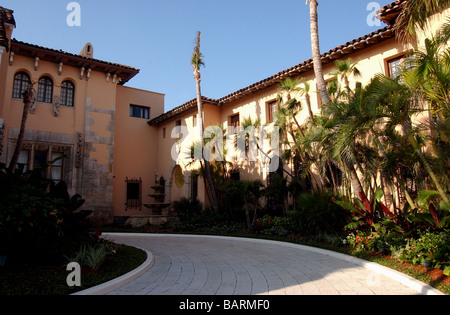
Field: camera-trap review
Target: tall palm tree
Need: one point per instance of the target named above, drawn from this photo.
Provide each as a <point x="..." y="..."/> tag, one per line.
<point x="414" y="17"/>
<point x="317" y="60"/>
<point x="197" y="62"/>
<point x="29" y="96"/>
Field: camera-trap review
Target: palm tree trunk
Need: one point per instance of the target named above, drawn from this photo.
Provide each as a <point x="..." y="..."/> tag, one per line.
<point x="209" y="179"/>
<point x="308" y="104"/>
<point x="196" y="63"/>
<point x="356" y="183"/>
<point x="28" y="98"/>
<point x="399" y="181"/>
<point x="317" y="61"/>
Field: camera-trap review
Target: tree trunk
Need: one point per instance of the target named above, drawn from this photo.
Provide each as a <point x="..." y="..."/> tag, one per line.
<point x="356" y="183"/>
<point x="208" y="175"/>
<point x="28" y="98"/>
<point x="317" y="61"/>
<point x="308" y="104"/>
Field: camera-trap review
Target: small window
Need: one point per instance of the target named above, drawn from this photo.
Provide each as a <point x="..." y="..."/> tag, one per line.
<point x="67" y="94"/>
<point x="178" y="126"/>
<point x="235" y="175"/>
<point x="139" y="112"/>
<point x="40" y="162"/>
<point x="21" y="83"/>
<point x="164" y="133"/>
<point x="22" y="163"/>
<point x="57" y="167"/>
<point x="272" y="111"/>
<point x="45" y="90"/>
<point x="234" y="121"/>
<point x="397" y="65"/>
<point x="134" y="193"/>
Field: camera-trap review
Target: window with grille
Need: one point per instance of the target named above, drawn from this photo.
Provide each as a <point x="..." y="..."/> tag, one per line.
<point x="21" y="83"/>
<point x="272" y="110"/>
<point x="399" y="64"/>
<point x="45" y="90"/>
<point x="134" y="193"/>
<point x="67" y="94"/>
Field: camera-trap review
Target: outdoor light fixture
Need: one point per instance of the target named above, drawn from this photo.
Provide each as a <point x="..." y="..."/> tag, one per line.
<point x="36" y="63"/>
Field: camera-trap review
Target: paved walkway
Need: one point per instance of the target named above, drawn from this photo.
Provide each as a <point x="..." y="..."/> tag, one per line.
<point x="204" y="265"/>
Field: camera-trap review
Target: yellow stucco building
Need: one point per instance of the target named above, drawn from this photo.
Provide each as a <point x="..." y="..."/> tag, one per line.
<point x="118" y="140"/>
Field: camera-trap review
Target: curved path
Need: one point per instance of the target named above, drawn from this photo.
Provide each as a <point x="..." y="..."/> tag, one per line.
<point x="208" y="265"/>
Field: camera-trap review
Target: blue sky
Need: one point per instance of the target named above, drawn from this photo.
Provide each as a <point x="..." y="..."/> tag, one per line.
<point x="243" y="41"/>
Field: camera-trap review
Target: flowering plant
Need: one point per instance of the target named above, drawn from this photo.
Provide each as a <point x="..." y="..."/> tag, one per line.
<point x="433" y="246"/>
<point x="361" y="241"/>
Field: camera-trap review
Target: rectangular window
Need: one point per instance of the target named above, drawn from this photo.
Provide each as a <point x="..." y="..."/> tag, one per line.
<point x="22" y="163"/>
<point x="272" y="111"/>
<point x="178" y="126"/>
<point x="134" y="193"/>
<point x="139" y="112"/>
<point x="40" y="162"/>
<point x="395" y="66"/>
<point x="57" y="167"/>
<point x="234" y="121"/>
<point x="164" y="133"/>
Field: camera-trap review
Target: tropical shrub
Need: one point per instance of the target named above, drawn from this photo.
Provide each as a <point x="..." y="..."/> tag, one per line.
<point x="91" y="256"/>
<point x="273" y="225"/>
<point x="361" y="241"/>
<point x="430" y="245"/>
<point x="186" y="208"/>
<point x="318" y="212"/>
<point x="36" y="219"/>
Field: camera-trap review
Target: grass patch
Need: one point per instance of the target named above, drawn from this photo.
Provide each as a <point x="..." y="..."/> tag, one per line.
<point x="51" y="280"/>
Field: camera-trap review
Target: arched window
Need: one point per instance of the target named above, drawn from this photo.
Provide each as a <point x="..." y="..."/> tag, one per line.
<point x="67" y="94"/>
<point x="21" y="83"/>
<point x="45" y="90"/>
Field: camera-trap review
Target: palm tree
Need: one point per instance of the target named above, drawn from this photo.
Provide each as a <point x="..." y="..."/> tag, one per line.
<point x="414" y="17"/>
<point x="317" y="60"/>
<point x="29" y="96"/>
<point x="197" y="62"/>
<point x="345" y="69"/>
<point x="305" y="90"/>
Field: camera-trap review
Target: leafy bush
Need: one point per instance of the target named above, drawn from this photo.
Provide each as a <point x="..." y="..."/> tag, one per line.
<point x="36" y="219"/>
<point x="91" y="256"/>
<point x="273" y="225"/>
<point x="361" y="241"/>
<point x="186" y="208"/>
<point x="318" y="212"/>
<point x="433" y="246"/>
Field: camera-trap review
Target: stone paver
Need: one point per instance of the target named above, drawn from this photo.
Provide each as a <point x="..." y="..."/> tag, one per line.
<point x="203" y="265"/>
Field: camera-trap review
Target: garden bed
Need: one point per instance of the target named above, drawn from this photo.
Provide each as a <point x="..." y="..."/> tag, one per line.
<point x="50" y="279"/>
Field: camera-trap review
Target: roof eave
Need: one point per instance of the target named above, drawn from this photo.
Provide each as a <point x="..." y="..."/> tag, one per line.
<point x="125" y="73"/>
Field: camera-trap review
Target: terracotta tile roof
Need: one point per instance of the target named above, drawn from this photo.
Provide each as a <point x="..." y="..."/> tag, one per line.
<point x="389" y="13"/>
<point x="6" y="17"/>
<point x="182" y="109"/>
<point x="330" y="56"/>
<point x="57" y="56"/>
